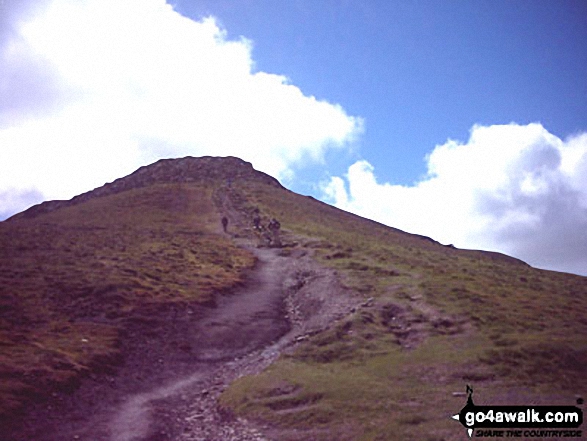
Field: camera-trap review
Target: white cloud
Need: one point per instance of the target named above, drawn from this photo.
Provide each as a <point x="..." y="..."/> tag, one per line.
<point x="511" y="188"/>
<point x="93" y="89"/>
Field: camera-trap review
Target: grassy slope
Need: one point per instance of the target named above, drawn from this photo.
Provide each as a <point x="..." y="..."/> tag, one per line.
<point x="515" y="333"/>
<point x="70" y="280"/>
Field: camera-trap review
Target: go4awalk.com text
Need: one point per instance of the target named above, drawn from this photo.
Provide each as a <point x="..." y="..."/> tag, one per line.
<point x="520" y="421"/>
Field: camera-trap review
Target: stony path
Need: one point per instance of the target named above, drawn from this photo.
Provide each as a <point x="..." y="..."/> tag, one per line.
<point x="310" y="298"/>
<point x="164" y="394"/>
<point x="229" y="344"/>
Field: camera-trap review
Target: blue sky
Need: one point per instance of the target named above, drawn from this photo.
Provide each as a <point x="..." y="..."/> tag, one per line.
<point x="421" y="72"/>
<point x="465" y="121"/>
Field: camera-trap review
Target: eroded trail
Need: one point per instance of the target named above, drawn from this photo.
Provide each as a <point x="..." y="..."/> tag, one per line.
<point x="124" y="409"/>
<point x="243" y="322"/>
<point x="288" y="296"/>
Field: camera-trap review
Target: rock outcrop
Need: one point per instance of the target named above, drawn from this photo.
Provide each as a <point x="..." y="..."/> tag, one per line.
<point x="189" y="169"/>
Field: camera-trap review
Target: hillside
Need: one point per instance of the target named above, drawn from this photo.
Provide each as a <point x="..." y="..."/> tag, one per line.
<point x="84" y="282"/>
<point x="76" y="276"/>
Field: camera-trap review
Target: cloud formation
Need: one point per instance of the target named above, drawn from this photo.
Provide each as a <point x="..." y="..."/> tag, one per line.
<point x="92" y="89"/>
<point x="515" y="189"/>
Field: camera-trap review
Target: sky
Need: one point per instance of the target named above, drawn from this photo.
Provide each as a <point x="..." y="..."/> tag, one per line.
<point x="465" y="121"/>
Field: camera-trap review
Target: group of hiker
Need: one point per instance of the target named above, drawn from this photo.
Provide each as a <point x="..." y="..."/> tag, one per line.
<point x="269" y="235"/>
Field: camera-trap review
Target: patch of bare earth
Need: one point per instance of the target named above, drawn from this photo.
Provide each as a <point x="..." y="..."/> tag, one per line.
<point x="313" y="300"/>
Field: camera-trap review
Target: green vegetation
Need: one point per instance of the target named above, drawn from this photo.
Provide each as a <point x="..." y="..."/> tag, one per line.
<point x="441" y="318"/>
<point x="72" y="280"/>
<point x="395" y="392"/>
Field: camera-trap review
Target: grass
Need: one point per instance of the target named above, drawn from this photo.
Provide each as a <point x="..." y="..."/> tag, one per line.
<point x="441" y="318"/>
<point x="71" y="279"/>
<point x="473" y="318"/>
<point x="394" y="394"/>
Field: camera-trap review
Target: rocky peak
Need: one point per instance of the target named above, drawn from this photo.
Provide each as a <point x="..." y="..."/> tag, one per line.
<point x="206" y="169"/>
<point x="190" y="169"/>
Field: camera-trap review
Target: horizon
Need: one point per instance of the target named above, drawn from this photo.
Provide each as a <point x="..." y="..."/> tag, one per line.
<point x="463" y="122"/>
<point x="246" y="162"/>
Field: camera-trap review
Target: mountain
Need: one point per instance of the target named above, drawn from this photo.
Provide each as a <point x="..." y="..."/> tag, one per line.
<point x="88" y="285"/>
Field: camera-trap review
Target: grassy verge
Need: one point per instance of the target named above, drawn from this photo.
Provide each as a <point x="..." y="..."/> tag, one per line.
<point x="381" y="393"/>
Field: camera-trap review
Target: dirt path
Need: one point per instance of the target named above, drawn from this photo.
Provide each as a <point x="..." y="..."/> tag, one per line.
<point x="162" y="393"/>
<point x="168" y="387"/>
<point x="311" y="300"/>
<point x="248" y="319"/>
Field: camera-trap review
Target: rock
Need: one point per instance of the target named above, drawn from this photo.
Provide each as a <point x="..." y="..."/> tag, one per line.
<point x="370" y="301"/>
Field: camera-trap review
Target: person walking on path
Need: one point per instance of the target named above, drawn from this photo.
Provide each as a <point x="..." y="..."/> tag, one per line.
<point x="274" y="227"/>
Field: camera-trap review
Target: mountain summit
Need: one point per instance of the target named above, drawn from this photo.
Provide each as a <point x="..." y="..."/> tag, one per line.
<point x="329" y="327"/>
<point x="185" y="170"/>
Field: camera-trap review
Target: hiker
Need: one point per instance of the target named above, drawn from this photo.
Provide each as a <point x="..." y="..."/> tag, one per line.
<point x="224" y="223"/>
<point x="274" y="227"/>
<point x="257" y="222"/>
